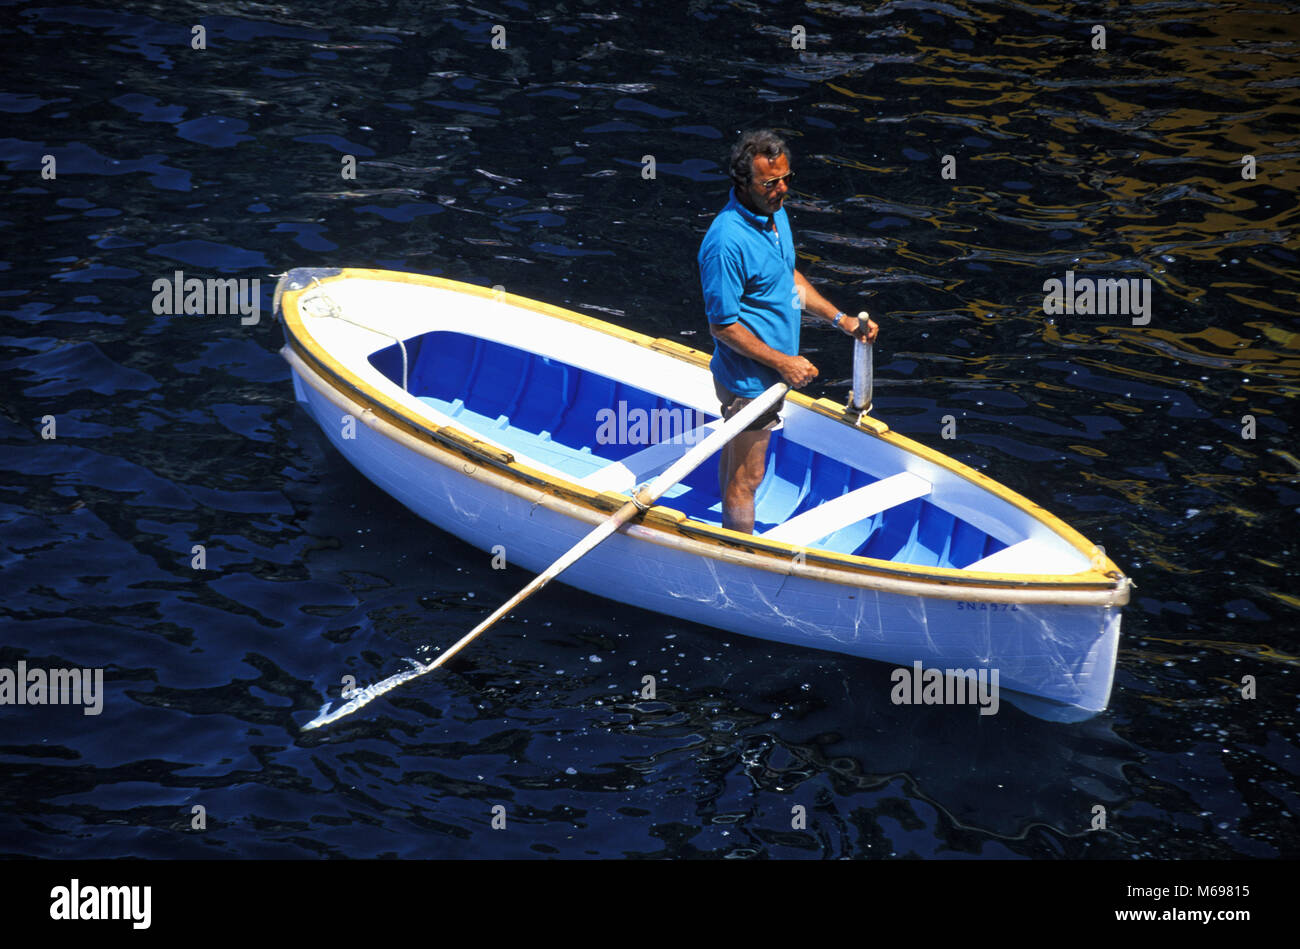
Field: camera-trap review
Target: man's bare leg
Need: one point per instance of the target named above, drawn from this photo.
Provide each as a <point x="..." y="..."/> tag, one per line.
<point x="740" y="470"/>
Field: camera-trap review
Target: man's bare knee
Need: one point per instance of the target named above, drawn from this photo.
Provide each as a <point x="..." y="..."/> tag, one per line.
<point x="747" y="480"/>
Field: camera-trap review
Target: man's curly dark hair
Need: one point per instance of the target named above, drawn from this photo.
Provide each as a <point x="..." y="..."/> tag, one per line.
<point x="763" y="142"/>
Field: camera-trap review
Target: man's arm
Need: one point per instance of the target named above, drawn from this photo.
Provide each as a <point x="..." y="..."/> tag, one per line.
<point x="795" y="370"/>
<point x="818" y="305"/>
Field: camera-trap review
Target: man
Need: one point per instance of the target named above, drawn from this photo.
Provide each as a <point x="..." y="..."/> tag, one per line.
<point x="752" y="296"/>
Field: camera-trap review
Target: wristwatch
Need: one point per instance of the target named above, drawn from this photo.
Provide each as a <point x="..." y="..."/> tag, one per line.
<point x="838" y="316"/>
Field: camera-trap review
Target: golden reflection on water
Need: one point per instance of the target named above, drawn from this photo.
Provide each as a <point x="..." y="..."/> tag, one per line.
<point x="1152" y="135"/>
<point x="1253" y="650"/>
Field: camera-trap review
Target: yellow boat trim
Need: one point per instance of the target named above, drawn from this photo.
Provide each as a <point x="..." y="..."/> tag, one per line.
<point x="506" y="480"/>
<point x="1107" y="577"/>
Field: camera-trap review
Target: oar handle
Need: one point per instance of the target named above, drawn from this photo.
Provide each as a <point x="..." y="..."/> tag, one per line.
<point x="863" y="373"/>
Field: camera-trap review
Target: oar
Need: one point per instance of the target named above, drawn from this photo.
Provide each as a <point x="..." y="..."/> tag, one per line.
<point x="642" y="498"/>
<point x="863" y="383"/>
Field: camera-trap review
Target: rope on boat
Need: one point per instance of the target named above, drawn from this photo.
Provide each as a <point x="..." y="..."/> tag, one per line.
<point x="334" y="311"/>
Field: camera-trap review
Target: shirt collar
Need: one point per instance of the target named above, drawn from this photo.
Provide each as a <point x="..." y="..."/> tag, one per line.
<point x="760" y="221"/>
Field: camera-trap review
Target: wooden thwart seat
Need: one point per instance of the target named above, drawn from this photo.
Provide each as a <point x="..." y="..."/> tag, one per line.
<point x="627" y="473"/>
<point x="850" y="508"/>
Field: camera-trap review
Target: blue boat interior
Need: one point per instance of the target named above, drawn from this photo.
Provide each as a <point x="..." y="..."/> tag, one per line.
<point x="552" y="412"/>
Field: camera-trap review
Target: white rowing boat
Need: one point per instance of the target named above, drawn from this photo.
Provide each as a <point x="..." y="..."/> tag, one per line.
<point x="506" y="421"/>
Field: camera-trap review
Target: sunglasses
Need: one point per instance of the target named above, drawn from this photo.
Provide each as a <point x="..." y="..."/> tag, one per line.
<point x="770" y="183"/>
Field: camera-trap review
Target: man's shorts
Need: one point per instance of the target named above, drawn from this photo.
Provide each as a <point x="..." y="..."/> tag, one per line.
<point x="732" y="403"/>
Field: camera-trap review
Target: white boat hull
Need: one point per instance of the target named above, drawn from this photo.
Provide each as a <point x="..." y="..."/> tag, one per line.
<point x="1056" y="660"/>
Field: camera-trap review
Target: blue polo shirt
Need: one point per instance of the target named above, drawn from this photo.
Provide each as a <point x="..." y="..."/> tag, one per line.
<point x="747" y="272"/>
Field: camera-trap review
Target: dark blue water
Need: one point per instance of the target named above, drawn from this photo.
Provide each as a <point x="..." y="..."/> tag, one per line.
<point x="522" y="167"/>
